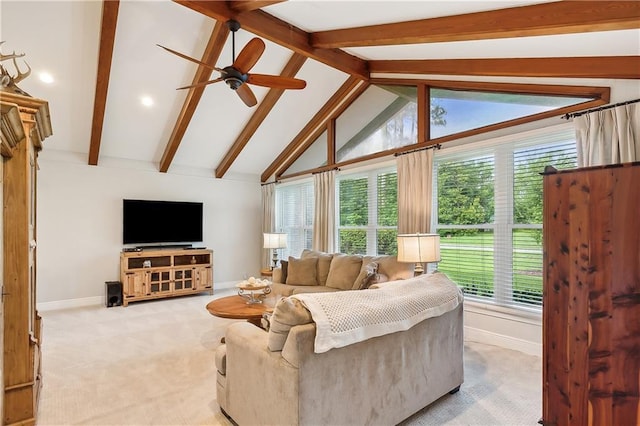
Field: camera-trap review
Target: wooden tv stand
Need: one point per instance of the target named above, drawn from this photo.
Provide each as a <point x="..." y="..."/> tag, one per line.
<point x="159" y="273"/>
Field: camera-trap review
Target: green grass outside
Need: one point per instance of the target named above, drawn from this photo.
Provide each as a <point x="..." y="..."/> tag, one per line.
<point x="472" y="265"/>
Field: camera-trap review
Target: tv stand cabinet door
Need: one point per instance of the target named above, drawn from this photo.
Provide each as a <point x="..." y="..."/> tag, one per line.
<point x="134" y="285"/>
<point x="184" y="279"/>
<point x="204" y="278"/>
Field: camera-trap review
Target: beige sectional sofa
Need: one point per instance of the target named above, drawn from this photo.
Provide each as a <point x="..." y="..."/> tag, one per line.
<point x="316" y="272"/>
<point x="277" y="377"/>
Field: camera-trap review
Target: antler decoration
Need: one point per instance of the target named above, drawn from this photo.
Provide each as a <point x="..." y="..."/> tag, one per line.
<point x="9" y="82"/>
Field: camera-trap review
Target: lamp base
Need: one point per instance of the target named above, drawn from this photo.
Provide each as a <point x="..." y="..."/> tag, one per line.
<point x="274" y="260"/>
<point x="418" y="270"/>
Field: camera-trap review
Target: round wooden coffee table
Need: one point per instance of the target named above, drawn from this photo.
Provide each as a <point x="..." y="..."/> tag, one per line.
<point x="236" y="307"/>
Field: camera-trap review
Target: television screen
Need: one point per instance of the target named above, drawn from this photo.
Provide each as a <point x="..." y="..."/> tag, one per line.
<point x="145" y="222"/>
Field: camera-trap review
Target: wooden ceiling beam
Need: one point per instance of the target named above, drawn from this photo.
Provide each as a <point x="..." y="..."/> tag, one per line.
<point x="318" y="120"/>
<point x="211" y="54"/>
<point x="617" y="67"/>
<point x="248" y="5"/>
<point x="105" y="55"/>
<point x="562" y="17"/>
<point x="280" y="32"/>
<point x="273" y="95"/>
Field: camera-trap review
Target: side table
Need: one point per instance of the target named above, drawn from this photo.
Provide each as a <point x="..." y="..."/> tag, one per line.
<point x="236" y="307"/>
<point x="266" y="272"/>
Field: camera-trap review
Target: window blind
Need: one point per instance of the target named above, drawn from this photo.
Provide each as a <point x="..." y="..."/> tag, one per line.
<point x="367" y="210"/>
<point x="489" y="213"/>
<point x="294" y="216"/>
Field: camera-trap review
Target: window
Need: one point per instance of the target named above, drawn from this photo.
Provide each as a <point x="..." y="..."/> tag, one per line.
<point x="454" y="111"/>
<point x="489" y="213"/>
<point x="382" y="118"/>
<point x="367" y="211"/>
<point x="294" y="216"/>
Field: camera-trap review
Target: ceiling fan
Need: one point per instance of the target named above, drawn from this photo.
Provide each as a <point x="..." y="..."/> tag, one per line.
<point x="237" y="74"/>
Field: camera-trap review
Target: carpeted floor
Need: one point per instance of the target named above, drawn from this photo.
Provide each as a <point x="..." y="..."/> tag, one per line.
<point x="152" y="364"/>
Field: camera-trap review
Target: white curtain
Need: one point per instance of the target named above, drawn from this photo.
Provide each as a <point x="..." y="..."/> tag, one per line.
<point x="609" y="136"/>
<point x="414" y="191"/>
<point x="268" y="218"/>
<point x="324" y="187"/>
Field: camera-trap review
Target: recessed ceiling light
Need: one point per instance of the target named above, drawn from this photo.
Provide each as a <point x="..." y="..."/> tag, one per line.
<point x="45" y="77"/>
<point x="146" y="101"/>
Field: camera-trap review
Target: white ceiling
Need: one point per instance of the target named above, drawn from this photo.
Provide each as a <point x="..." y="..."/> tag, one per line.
<point x="62" y="37"/>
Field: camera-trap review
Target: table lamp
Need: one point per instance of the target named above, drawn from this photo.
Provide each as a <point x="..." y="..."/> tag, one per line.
<point x="275" y="241"/>
<point x="418" y="249"/>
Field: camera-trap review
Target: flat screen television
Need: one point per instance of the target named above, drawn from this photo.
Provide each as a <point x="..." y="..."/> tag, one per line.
<point x="158" y="222"/>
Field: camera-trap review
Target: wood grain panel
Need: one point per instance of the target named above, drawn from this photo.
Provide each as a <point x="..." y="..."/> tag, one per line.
<point x="625" y="295"/>
<point x="555" y="294"/>
<point x="591" y="299"/>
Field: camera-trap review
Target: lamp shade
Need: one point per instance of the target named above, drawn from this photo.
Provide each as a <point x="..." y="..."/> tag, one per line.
<point x="418" y="248"/>
<point x="275" y="240"/>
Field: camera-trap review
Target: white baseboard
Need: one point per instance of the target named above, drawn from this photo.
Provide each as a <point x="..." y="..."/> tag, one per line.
<point x="507" y="342"/>
<point x="99" y="300"/>
<point x="70" y="303"/>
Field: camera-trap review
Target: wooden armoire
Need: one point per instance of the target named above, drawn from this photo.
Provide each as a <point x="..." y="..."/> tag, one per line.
<point x="591" y="299"/>
<point x="25" y="124"/>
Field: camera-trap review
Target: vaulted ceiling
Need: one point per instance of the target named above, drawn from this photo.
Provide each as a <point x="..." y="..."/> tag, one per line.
<point x="103" y="57"/>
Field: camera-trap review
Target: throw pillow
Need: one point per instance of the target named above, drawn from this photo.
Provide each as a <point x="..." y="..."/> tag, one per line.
<point x="366" y="275"/>
<point x="284" y="268"/>
<point x="366" y="260"/>
<point x="288" y="312"/>
<point x="343" y="271"/>
<point x="378" y="279"/>
<point x="302" y="271"/>
<point x="324" y="263"/>
<point x="393" y="269"/>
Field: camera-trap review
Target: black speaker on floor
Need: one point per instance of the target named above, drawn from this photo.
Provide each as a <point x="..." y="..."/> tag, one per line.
<point x="113" y="293"/>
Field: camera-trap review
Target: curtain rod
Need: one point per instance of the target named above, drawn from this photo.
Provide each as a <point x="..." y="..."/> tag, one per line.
<point x="270" y="183"/>
<point x="578" y="114"/>
<point x="436" y="146"/>
<point x="337" y="169"/>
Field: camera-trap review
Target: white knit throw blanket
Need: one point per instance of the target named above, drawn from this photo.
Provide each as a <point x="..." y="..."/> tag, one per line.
<point x="346" y="317"/>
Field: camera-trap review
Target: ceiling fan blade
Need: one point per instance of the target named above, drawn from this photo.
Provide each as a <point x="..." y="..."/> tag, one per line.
<point x="204" y="83"/>
<point x="276" y="81"/>
<point x="189" y="58"/>
<point x="249" y="55"/>
<point x="247" y="96"/>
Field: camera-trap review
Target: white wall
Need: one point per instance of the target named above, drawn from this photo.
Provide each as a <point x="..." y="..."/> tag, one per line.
<point x="80" y="221"/>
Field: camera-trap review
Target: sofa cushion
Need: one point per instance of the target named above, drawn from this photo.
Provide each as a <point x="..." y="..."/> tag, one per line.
<point x="324" y="263"/>
<point x="389" y="266"/>
<point x="343" y="271"/>
<point x="302" y="271"/>
<point x="366" y="275"/>
<point x="284" y="268"/>
<point x="300" y="289"/>
<point x="288" y="312"/>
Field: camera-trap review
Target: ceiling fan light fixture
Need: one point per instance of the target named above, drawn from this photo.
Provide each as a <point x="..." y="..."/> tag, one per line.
<point x="233" y="82"/>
